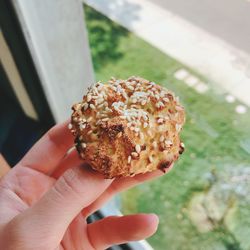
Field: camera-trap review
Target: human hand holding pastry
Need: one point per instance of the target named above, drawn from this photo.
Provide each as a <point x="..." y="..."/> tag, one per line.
<point x="46" y="198"/>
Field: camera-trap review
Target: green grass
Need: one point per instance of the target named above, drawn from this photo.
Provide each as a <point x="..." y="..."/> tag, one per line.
<point x="213" y="134"/>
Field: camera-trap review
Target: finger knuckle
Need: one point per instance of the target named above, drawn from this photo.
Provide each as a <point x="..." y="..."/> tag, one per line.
<point x="69" y="183"/>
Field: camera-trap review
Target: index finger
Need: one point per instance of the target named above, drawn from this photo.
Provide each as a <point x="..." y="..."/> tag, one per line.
<point x="45" y="155"/>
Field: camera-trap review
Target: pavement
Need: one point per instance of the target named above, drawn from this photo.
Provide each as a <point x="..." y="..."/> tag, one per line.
<point x="189" y="42"/>
<point x="227" y="19"/>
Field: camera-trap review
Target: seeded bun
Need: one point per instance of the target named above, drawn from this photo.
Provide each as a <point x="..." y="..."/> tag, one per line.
<point x="127" y="127"/>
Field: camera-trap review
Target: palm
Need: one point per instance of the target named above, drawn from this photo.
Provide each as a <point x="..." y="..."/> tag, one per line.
<point x="23" y="186"/>
<point x="27" y="187"/>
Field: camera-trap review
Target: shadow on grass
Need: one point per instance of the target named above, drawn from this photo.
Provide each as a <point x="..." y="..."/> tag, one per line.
<point x="104" y="37"/>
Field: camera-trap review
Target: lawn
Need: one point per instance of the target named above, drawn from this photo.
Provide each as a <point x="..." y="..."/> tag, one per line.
<point x="202" y="203"/>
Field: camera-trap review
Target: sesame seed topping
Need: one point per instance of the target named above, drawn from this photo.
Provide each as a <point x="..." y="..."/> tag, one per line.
<point x="119" y="134"/>
<point x="90" y="131"/>
<point x="182" y="145"/>
<point x="150" y="158"/>
<point x="89" y="97"/>
<point x="98" y="122"/>
<point x="160" y="120"/>
<point x="154" y="144"/>
<point x="100" y="87"/>
<point x="138" y="148"/>
<point x="157" y="97"/>
<point x="168" y="142"/>
<point x="130" y="87"/>
<point x="90" y="119"/>
<point x="135" y="101"/>
<point x="107" y="109"/>
<point x="95" y="90"/>
<point x="85" y="107"/>
<point x="162" y="94"/>
<point x="129" y="159"/>
<point x="161" y="104"/>
<point x="124" y="95"/>
<point x="177" y="127"/>
<point x="162" y="146"/>
<point x="92" y="106"/>
<point x="141" y="135"/>
<point x="162" y="138"/>
<point x="137" y="130"/>
<point x="105" y="119"/>
<point x="114" y="88"/>
<point x="82" y="126"/>
<point x="100" y="100"/>
<point x="134" y="154"/>
<point x="100" y="106"/>
<point x="70" y="126"/>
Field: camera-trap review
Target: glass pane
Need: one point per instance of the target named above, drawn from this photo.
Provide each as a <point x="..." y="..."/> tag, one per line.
<point x="203" y="203"/>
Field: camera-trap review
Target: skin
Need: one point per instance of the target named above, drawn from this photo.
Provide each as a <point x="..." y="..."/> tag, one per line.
<point x="46" y="198"/>
<point x="4" y="167"/>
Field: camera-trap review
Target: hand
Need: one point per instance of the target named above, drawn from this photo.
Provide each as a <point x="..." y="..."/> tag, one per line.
<point x="46" y="198"/>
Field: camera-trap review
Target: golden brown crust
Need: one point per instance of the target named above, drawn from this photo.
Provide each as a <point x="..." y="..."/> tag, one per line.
<point x="127" y="127"/>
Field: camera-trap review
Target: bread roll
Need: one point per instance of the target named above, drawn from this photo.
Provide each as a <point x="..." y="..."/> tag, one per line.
<point x="128" y="127"/>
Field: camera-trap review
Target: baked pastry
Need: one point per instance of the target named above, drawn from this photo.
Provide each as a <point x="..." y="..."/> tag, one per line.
<point x="127" y="127"/>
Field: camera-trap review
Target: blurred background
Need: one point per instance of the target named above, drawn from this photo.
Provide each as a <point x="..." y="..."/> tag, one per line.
<point x="51" y="51"/>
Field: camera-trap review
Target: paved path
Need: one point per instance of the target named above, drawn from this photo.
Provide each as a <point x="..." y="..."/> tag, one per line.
<point x="219" y="61"/>
<point x="227" y="19"/>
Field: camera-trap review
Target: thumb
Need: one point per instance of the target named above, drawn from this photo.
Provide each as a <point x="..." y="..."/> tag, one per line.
<point x="75" y="189"/>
